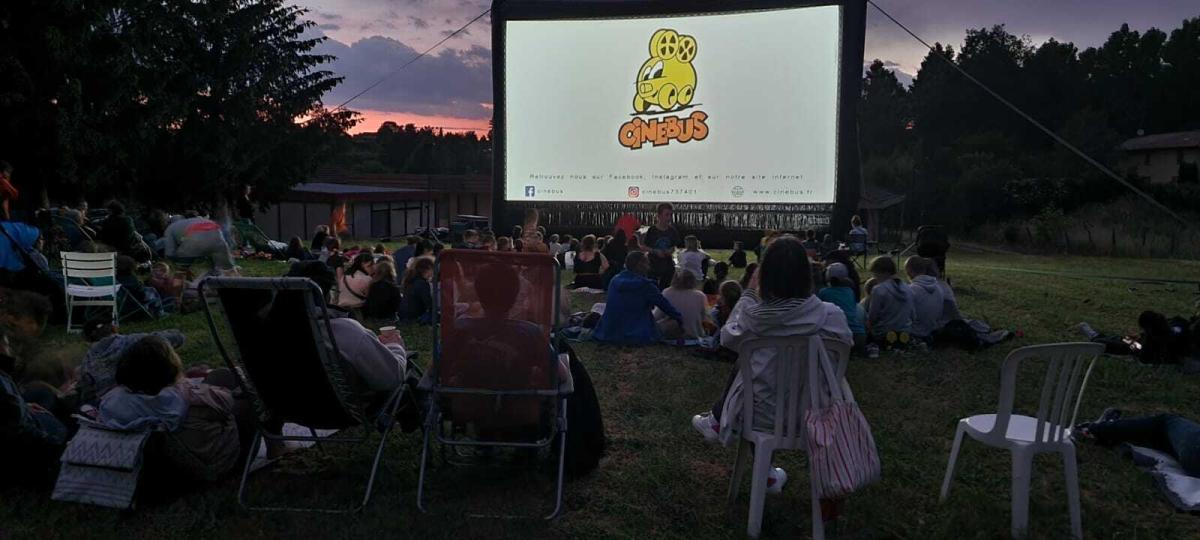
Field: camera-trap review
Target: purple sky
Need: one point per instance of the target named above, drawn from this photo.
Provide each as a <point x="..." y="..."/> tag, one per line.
<point x="371" y="37"/>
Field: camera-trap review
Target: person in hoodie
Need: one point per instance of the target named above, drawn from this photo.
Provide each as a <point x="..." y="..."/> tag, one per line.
<point x="840" y="293"/>
<point x="928" y="299"/>
<point x="779" y="302"/>
<point x="195" y="238"/>
<point x="890" y="310"/>
<point x="97" y="372"/>
<point x="628" y="316"/>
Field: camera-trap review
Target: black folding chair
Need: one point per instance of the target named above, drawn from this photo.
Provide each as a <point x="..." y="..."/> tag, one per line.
<point x="285" y="356"/>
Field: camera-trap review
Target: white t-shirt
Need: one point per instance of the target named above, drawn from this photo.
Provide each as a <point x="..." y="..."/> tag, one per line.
<point x="693" y="261"/>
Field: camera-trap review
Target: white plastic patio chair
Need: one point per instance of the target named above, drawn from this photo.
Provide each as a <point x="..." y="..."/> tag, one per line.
<point x="793" y="369"/>
<point x="80" y="271"/>
<point x="1068" y="367"/>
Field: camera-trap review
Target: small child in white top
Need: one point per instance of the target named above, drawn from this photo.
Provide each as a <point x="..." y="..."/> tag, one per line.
<point x="692" y="258"/>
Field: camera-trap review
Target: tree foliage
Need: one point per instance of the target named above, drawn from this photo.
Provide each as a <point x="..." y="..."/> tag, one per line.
<point x="968" y="159"/>
<point x="174" y="102"/>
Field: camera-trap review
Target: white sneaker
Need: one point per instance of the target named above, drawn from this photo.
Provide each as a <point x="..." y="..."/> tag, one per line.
<point x="872" y="351"/>
<point x="707" y="426"/>
<point x="776" y="478"/>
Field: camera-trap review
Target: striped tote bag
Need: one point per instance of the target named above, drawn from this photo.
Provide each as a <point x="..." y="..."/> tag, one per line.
<point x="840" y="446"/>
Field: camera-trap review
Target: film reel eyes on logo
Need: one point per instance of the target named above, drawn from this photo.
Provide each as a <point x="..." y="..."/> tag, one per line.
<point x="634" y="192"/>
<point x="666" y="82"/>
<point x="667" y="79"/>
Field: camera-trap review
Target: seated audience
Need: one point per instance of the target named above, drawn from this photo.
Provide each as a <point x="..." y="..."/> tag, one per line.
<point x="689" y="302"/>
<point x="889" y="313"/>
<point x="628" y="317"/>
<point x="417" y="304"/>
<point x="533" y="236"/>
<point x="693" y="259"/>
<point x="844" y="257"/>
<point x="614" y="252"/>
<point x="383" y="297"/>
<point x="380" y="250"/>
<point x="827" y="246"/>
<point x="839" y="293"/>
<point x="487" y="242"/>
<point x="97" y="371"/>
<point x="518" y="245"/>
<point x="1170" y="434"/>
<point x="721" y="271"/>
<point x="927" y="297"/>
<point x="811" y="246"/>
<point x="737" y="259"/>
<point x="554" y="245"/>
<point x="355" y="282"/>
<point x="728" y="295"/>
<point x="590" y="265"/>
<point x="120" y="234"/>
<point x="320" y="236"/>
<point x="504" y="243"/>
<point x="132" y="288"/>
<point x="408" y="251"/>
<point x="470" y="240"/>
<point x="778" y="303"/>
<point x="33" y="435"/>
<point x="296" y="250"/>
<point x="198" y="237"/>
<point x="747" y="275"/>
<point x="858" y="235"/>
<point x="164" y="282"/>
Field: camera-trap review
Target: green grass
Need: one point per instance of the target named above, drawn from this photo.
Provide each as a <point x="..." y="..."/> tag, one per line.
<point x="661" y="480"/>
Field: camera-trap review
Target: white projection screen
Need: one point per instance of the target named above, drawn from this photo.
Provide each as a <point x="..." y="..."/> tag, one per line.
<point x="726" y="107"/>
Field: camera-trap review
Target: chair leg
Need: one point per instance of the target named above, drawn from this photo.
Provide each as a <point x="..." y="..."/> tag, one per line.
<point x="1071" y="468"/>
<point x="258" y="438"/>
<point x="562" y="458"/>
<point x="1022" y="464"/>
<point x="950" y="466"/>
<point x="424" y="465"/>
<point x="70" y="312"/>
<point x="818" y="518"/>
<point x="383" y="438"/>
<point x="739" y="467"/>
<point x="758" y="488"/>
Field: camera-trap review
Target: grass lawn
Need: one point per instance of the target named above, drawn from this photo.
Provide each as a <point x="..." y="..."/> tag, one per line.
<point x="661" y="479"/>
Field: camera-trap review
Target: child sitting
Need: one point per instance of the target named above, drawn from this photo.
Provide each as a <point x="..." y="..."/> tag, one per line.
<point x="737" y="259"/>
<point x="133" y="289"/>
<point x="928" y="298"/>
<point x="730" y="292"/>
<point x="840" y="293"/>
<point x="889" y="312"/>
<point x="693" y="259"/>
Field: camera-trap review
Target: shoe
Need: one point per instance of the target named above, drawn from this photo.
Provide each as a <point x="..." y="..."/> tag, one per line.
<point x="776" y="478"/>
<point x="707" y="426"/>
<point x="873" y="351"/>
<point x="1087" y="330"/>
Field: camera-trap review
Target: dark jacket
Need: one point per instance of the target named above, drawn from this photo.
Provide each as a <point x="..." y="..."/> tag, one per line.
<point x="418" y="301"/>
<point x="383" y="300"/>
<point x="628" y="315"/>
<point x="119" y="233"/>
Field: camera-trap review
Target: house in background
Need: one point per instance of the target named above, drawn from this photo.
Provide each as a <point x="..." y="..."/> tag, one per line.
<point x="1160" y="159"/>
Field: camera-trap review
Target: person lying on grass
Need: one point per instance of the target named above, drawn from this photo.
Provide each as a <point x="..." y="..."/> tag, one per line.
<point x="779" y="302"/>
<point x="1168" y="433"/>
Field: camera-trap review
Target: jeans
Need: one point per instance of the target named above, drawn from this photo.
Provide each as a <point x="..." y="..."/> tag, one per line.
<point x="1168" y="433"/>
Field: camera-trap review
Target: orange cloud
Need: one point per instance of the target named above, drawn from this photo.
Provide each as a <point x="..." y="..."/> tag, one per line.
<point x="371" y="121"/>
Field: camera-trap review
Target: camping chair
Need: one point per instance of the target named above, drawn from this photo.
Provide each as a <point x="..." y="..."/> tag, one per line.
<point x="90" y="280"/>
<point x="249" y="234"/>
<point x="794" y="371"/>
<point x="284" y="355"/>
<point x="1068" y="367"/>
<point x="495" y="366"/>
<point x="857" y="244"/>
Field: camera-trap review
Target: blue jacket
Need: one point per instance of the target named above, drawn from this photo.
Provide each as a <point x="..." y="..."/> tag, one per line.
<point x="25" y="236"/>
<point x="843" y="297"/>
<point x="628" y="315"/>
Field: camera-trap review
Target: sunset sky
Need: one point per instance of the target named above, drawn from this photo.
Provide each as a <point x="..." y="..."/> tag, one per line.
<point x="452" y="87"/>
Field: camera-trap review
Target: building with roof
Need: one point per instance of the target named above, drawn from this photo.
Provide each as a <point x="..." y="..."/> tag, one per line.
<point x="1161" y="158"/>
<point x="378" y="205"/>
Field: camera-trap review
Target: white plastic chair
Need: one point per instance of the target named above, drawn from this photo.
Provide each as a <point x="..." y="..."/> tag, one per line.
<point x="89" y="268"/>
<point x="1068" y="367"/>
<point x="793" y="368"/>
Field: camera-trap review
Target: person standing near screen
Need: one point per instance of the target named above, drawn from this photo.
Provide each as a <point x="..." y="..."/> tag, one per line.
<point x="662" y="239"/>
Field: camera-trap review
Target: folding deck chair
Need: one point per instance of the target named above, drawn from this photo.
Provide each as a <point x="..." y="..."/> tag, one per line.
<point x="495" y="368"/>
<point x="285" y="356"/>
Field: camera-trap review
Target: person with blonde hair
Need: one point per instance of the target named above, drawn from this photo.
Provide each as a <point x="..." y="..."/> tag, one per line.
<point x="690" y="302"/>
<point x="532" y="240"/>
<point x="693" y="259"/>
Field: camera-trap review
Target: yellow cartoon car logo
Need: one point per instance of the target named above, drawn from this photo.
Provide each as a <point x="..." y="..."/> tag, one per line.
<point x="667" y="79"/>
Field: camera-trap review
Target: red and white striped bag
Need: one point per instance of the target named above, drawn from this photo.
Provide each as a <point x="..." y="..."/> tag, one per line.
<point x="840" y="446"/>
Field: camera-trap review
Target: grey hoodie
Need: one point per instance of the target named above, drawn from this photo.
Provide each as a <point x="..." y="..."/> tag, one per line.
<point x="928" y="303"/>
<point x="891" y="308"/>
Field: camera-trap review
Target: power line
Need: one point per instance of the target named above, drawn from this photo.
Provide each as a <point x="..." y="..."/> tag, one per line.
<point x="413" y="59"/>
<point x="1031" y="120"/>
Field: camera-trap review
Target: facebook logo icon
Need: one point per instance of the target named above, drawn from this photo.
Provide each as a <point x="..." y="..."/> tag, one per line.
<point x="530" y="191"/>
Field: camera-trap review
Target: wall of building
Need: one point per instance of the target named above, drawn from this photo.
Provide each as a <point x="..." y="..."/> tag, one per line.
<point x="1159" y="166"/>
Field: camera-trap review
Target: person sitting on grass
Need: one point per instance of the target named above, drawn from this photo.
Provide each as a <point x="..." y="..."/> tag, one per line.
<point x="383" y="297"/>
<point x="928" y="298"/>
<point x="504" y="243"/>
<point x="417" y="304"/>
<point x="689" y="302"/>
<point x="728" y="295"/>
<point x="628" y="314"/>
<point x="615" y="252"/>
<point x="97" y="371"/>
<point x="1170" y="434"/>
<point x="401" y="256"/>
<point x="332" y="254"/>
<point x="841" y="294"/>
<point x="121" y="235"/>
<point x="737" y="259"/>
<point x="132" y="289"/>
<point x="33" y="436"/>
<point x="811" y="246"/>
<point x="320" y="236"/>
<point x="470" y="240"/>
<point x="554" y="245"/>
<point x="297" y="251"/>
<point x="533" y="239"/>
<point x="749" y="273"/>
<point x="590" y="265"/>
<point x="693" y="259"/>
<point x="889" y="313"/>
<point x="355" y="282"/>
<point x="827" y="246"/>
<point x="779" y="303"/>
<point x="487" y="242"/>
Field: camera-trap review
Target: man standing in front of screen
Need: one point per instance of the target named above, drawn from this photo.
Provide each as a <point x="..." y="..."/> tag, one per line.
<point x="662" y="239"/>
